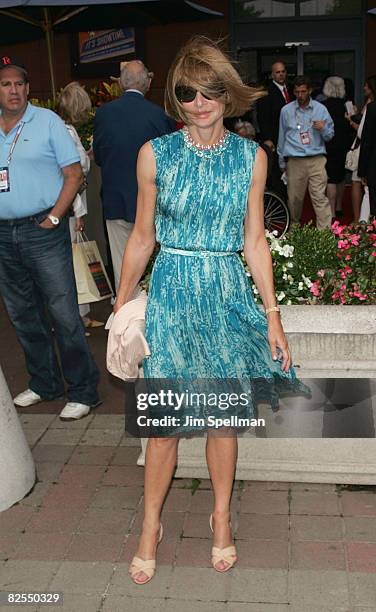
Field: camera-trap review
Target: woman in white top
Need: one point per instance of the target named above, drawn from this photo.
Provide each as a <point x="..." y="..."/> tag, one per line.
<point x="74" y="108"/>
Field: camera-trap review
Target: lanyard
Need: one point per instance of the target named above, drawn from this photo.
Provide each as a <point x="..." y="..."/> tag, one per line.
<point x="13" y="145"/>
<point x="308" y="113"/>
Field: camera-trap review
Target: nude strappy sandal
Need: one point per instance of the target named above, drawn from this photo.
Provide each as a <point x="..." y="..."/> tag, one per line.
<point x="227" y="554"/>
<point x="146" y="566"/>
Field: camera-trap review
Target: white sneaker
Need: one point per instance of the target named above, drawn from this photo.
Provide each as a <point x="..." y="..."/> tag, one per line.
<point x="73" y="411"/>
<point x="27" y="398"/>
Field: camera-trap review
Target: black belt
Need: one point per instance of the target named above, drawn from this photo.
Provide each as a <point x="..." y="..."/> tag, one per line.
<point x="31" y="219"/>
<point x="306" y="156"/>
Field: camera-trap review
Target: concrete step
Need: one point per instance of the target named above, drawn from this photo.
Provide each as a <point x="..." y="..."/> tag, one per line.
<point x="339" y="368"/>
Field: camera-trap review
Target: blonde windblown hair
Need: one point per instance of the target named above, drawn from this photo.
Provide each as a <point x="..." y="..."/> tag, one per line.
<point x="201" y="64"/>
<point x="74" y="104"/>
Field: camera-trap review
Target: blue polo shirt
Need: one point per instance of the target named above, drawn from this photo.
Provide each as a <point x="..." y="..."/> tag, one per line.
<point x="293" y="121"/>
<point x="43" y="148"/>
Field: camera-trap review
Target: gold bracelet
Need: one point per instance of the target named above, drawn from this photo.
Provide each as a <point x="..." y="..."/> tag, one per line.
<point x="272" y="309"/>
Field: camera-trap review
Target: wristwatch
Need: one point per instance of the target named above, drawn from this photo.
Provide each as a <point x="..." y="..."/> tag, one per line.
<point x="54" y="220"/>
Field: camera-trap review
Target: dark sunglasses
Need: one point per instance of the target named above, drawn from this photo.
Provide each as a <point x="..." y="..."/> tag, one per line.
<point x="187" y="94"/>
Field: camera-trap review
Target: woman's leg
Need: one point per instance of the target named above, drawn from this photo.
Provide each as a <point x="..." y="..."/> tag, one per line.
<point x="356" y="197"/>
<point x="221" y="455"/>
<point x="340" y="188"/>
<point x="160" y="463"/>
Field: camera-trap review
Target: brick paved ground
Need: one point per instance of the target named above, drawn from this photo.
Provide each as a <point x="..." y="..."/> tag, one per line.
<point x="302" y="548"/>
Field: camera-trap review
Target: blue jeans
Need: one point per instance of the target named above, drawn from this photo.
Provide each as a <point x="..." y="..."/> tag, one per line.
<point x="39" y="291"/>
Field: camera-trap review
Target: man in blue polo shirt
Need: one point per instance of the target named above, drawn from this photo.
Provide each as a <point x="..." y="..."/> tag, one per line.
<point x="40" y="175"/>
<point x="304" y="127"/>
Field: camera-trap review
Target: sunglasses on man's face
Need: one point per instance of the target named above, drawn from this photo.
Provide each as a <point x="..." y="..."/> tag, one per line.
<point x="187" y="94"/>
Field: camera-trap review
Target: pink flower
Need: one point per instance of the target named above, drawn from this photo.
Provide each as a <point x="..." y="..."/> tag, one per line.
<point x="343" y="300"/>
<point x="355" y="239"/>
<point x="348" y="257"/>
<point x="373" y="253"/>
<point x="337" y="228"/>
<point x="343" y="244"/>
<point x="360" y="295"/>
<point x="315" y="289"/>
<point x="322" y="272"/>
<point x="345" y="272"/>
<point x="343" y="287"/>
<point x="336" y="295"/>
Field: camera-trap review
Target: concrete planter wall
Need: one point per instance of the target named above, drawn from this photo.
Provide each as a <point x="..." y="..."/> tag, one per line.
<point x="338" y="341"/>
<point x="326" y="342"/>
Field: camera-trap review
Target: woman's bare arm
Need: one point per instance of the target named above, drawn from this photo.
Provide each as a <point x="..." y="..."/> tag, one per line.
<point x="258" y="258"/>
<point x="141" y="242"/>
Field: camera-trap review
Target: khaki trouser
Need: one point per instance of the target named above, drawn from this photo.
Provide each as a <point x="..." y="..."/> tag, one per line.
<point x="118" y="233"/>
<point x="311" y="172"/>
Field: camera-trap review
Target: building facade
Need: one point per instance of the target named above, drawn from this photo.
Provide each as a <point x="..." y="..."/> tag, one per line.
<point x="317" y="37"/>
<point x="314" y="37"/>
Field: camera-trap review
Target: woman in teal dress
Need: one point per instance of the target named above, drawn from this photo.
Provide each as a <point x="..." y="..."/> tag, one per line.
<point x="201" y="197"/>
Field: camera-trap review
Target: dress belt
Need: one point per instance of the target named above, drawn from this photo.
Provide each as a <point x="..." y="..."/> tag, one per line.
<point x="192" y="253"/>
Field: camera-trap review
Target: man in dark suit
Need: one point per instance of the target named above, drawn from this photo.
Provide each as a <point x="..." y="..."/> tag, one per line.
<point x="121" y="128"/>
<point x="268" y="113"/>
<point x="367" y="155"/>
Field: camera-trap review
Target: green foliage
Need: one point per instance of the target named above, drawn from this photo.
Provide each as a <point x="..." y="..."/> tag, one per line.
<point x="312" y="266"/>
<point x="85" y="132"/>
<point x="353" y="279"/>
<point x="344" y="7"/>
<point x="145" y="281"/>
<point x="50" y="103"/>
<point x="244" y="8"/>
<point x="105" y="92"/>
<point x="195" y="485"/>
<point x="314" y="249"/>
<point x="292" y="286"/>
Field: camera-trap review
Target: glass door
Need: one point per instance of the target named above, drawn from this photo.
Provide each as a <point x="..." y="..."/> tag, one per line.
<point x="318" y="65"/>
<point x="313" y="61"/>
<point x="255" y="64"/>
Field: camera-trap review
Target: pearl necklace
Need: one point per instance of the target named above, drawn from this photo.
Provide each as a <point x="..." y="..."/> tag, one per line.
<point x="202" y="150"/>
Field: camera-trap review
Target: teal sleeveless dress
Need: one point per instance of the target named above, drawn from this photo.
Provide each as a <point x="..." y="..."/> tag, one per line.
<point x="201" y="319"/>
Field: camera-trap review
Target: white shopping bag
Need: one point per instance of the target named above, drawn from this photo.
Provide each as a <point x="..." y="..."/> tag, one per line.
<point x="365" y="207"/>
<point x="92" y="281"/>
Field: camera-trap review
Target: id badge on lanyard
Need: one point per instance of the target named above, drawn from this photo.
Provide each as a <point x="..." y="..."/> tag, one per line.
<point x="304" y="138"/>
<point x="4" y="179"/>
<point x="4" y="170"/>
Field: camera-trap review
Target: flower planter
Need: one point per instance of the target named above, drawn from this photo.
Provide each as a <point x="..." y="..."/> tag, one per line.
<point x="332" y="341"/>
<point x="327" y="342"/>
